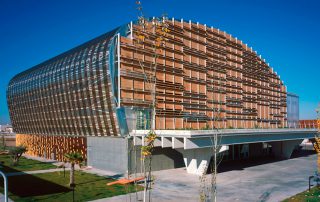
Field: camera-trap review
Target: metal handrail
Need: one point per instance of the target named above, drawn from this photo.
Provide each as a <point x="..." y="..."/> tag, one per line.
<point x="5" y="183"/>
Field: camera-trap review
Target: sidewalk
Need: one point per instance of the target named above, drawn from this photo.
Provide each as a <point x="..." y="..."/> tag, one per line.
<point x="103" y="173"/>
<point x="35" y="172"/>
<point x="273" y="181"/>
<point x="41" y="159"/>
<point x="88" y="169"/>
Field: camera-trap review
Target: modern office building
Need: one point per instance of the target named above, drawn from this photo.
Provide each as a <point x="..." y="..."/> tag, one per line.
<point x="94" y="97"/>
<point x="311" y="123"/>
<point x="292" y="110"/>
<point x="7" y="128"/>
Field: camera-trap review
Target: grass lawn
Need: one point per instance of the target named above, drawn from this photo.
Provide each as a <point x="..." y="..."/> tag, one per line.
<point x="312" y="196"/>
<point x="54" y="187"/>
<point x="24" y="164"/>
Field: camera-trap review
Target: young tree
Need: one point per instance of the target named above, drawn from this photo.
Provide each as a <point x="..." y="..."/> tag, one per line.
<point x="15" y="154"/>
<point x="73" y="158"/>
<point x="155" y="31"/>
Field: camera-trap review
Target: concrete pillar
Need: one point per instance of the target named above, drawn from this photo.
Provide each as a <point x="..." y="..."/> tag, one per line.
<point x="233" y="152"/>
<point x="197" y="160"/>
<point x="284" y="149"/>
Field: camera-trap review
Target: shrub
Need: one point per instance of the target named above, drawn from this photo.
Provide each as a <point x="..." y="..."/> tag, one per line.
<point x="15" y="153"/>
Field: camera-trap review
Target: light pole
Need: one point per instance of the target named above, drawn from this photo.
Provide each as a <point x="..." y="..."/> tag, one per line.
<point x="5" y="183"/>
<point x="73" y="186"/>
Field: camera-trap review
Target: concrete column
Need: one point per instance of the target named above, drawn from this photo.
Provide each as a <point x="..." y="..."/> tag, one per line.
<point x="284" y="149"/>
<point x="197" y="160"/>
<point x="233" y="152"/>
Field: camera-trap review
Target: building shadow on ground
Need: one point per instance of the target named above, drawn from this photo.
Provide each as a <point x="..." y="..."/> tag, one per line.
<point x="302" y="153"/>
<point x="30" y="185"/>
<point x="229" y="165"/>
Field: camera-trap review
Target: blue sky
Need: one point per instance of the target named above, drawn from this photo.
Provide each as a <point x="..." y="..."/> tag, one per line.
<point x="285" y="33"/>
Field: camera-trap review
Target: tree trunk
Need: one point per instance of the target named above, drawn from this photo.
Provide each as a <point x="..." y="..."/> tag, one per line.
<point x="15" y="161"/>
<point x="71" y="175"/>
<point x="145" y="180"/>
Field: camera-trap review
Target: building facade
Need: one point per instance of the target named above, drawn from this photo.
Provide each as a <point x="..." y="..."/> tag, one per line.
<point x="204" y="78"/>
<point x="313" y="123"/>
<point x="292" y="110"/>
<point x="6" y="128"/>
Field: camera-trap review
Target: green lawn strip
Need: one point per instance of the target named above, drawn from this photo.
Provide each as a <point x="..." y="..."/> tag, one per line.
<point x="24" y="165"/>
<point x="54" y="187"/>
<point x="312" y="196"/>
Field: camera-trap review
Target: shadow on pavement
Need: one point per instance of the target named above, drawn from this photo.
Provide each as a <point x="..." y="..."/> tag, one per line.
<point x="302" y="153"/>
<point x="226" y="166"/>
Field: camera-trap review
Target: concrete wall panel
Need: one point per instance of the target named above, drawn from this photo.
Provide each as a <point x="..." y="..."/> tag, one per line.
<point x="108" y="153"/>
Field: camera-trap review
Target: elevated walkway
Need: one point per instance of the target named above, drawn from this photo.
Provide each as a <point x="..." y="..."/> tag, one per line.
<point x="196" y="145"/>
<point x="192" y="139"/>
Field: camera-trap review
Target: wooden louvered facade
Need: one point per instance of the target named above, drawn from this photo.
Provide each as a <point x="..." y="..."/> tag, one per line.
<point x="204" y="77"/>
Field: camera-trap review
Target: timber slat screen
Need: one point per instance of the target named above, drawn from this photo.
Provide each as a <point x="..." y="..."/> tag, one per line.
<point x="204" y="77"/>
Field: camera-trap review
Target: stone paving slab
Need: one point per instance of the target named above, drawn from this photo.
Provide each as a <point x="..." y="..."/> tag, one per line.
<point x="270" y="182"/>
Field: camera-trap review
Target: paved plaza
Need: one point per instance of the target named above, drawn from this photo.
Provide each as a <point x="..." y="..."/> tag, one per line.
<point x="263" y="180"/>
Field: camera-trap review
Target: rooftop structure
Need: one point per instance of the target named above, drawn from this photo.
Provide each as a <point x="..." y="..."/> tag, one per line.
<point x="292" y="110"/>
<point x="7" y="128"/>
